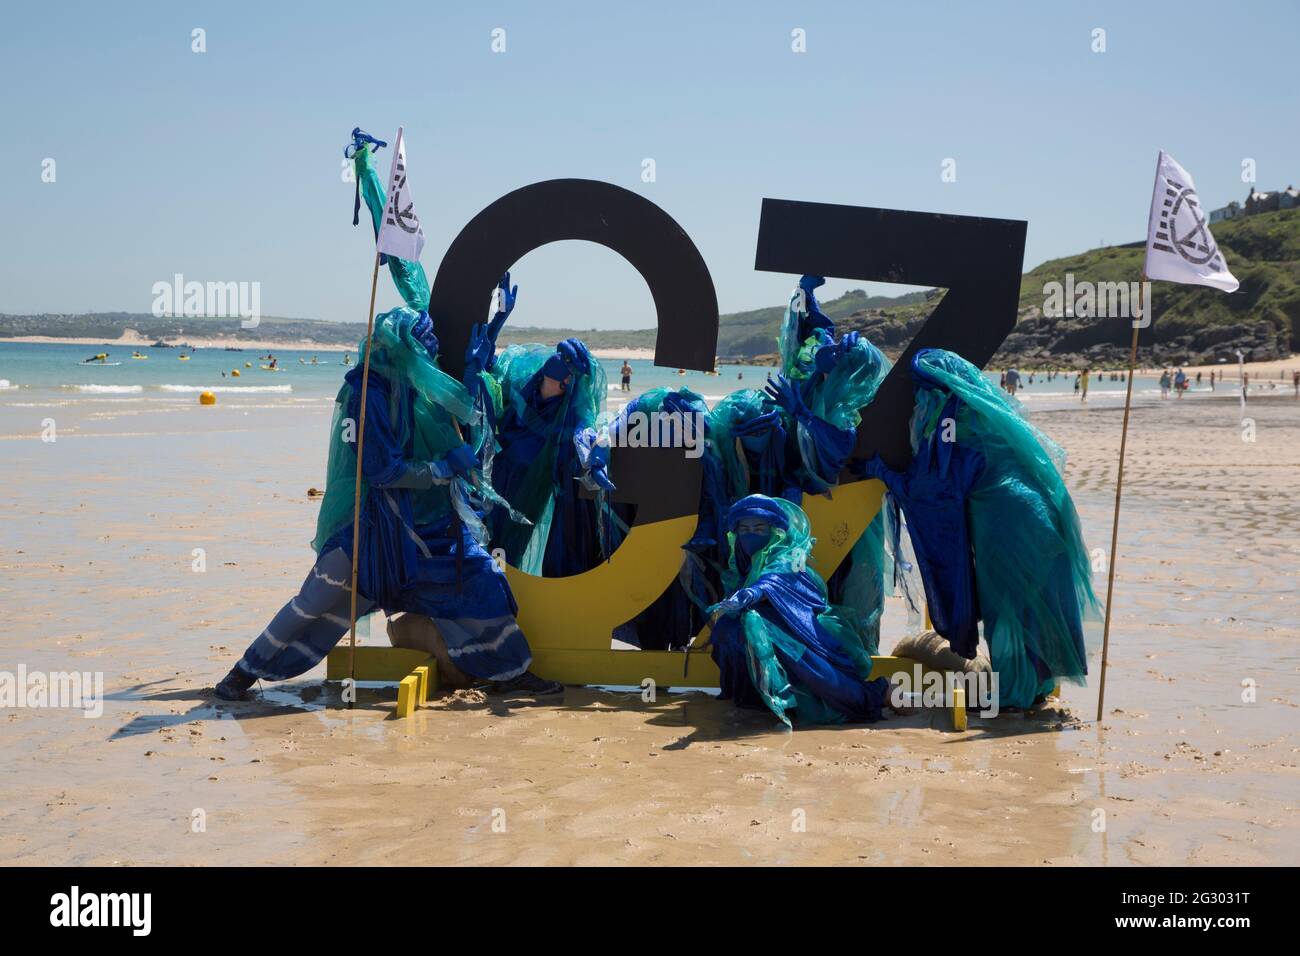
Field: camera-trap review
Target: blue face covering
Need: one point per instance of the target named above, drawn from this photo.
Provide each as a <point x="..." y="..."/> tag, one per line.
<point x="748" y="544"/>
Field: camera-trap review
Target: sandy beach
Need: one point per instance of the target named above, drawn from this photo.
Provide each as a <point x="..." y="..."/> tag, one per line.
<point x="98" y="575"/>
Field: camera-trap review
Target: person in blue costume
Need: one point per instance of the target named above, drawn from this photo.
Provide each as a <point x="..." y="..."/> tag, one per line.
<point x="777" y="641"/>
<point x="823" y="383"/>
<point x="995" y="531"/>
<point x="547" y="399"/>
<point x="423" y="489"/>
<point x="798" y="432"/>
<point x="676" y="419"/>
<point x="420" y="547"/>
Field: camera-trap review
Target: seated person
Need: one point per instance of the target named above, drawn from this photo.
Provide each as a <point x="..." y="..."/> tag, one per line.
<point x="776" y="641"/>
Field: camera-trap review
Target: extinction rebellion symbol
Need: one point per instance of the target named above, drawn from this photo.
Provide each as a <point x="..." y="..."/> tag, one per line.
<point x="1183" y="230"/>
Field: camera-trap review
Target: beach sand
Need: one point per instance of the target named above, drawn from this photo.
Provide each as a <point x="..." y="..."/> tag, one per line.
<point x="97" y="574"/>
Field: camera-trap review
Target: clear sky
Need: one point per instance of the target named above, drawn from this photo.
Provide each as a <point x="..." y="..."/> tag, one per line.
<point x="225" y="165"/>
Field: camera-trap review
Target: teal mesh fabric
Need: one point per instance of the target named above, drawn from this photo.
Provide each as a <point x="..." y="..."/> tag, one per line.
<point x="797" y="353"/>
<point x="443" y="413"/>
<point x="534" y="492"/>
<point x="742" y="405"/>
<point x="850" y="386"/>
<point x="1033" y="570"/>
<point x="781" y="569"/>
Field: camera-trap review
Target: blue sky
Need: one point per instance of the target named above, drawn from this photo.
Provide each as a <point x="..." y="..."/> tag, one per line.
<point x="225" y="165"/>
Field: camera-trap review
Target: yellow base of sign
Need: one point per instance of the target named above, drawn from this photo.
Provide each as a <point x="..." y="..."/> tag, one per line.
<point x="416" y="674"/>
<point x="569" y="620"/>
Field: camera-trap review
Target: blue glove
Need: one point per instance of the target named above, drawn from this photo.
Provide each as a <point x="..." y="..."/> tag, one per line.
<point x="462" y="460"/>
<point x="481" y="353"/>
<point x="782" y="391"/>
<point x="508" y="296"/>
<point x="598" y="467"/>
<point x="828" y="356"/>
<point x="575" y="355"/>
<point x="813" y="318"/>
<point x="742" y="599"/>
<point x="600" y="475"/>
<point x="359" y="139"/>
<point x="757" y="425"/>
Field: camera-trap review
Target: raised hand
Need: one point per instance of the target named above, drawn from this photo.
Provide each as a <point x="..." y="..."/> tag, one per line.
<point x="506" y="305"/>
<point x="757" y="425"/>
<point x="782" y="391"/>
<point x="481" y="353"/>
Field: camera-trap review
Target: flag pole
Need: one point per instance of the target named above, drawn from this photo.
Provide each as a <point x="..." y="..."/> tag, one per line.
<point x="356" y="500"/>
<point x="1119" y="491"/>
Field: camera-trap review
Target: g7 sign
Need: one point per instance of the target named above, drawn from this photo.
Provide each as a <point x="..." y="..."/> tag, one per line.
<point x="977" y="260"/>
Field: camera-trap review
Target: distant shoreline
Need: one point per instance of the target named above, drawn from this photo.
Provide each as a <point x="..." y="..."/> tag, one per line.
<point x="1278" y="369"/>
<point x="136" y="341"/>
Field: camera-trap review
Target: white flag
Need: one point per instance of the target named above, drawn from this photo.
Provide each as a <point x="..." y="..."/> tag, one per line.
<point x="400" y="233"/>
<point x="1179" y="245"/>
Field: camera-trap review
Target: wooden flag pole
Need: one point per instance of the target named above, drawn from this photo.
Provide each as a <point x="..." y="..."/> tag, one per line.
<point x="1119" y="491"/>
<point x="356" y="501"/>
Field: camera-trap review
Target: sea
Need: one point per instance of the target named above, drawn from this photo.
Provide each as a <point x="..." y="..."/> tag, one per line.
<point x="47" y="374"/>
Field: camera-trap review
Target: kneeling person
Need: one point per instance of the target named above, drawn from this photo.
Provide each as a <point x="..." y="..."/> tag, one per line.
<point x="777" y="642"/>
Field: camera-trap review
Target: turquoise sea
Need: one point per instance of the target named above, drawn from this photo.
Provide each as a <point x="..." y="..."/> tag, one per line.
<point x="55" y="373"/>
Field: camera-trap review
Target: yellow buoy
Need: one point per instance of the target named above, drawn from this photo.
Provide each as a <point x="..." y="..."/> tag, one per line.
<point x="235" y="372"/>
<point x="207" y="398"/>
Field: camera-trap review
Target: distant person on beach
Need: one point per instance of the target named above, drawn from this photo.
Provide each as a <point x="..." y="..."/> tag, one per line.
<point x="626" y="372"/>
<point x="1164" y="384"/>
<point x="1013" y="381"/>
<point x="1180" y="383"/>
<point x="1198" y="379"/>
<point x="1211" y="379"/>
<point x="1083" y="384"/>
<point x="1076" y="383"/>
<point x="1002" y="381"/>
<point x="1295" y="382"/>
<point x="740" y="376"/>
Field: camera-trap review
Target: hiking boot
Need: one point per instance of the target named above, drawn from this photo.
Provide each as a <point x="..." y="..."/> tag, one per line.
<point x="234" y="685"/>
<point x="530" y="683"/>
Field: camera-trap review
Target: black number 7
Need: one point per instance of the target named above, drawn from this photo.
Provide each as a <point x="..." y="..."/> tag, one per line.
<point x="979" y="261"/>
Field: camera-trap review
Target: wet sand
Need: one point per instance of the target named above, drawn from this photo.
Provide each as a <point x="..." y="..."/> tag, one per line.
<point x="96" y="574"/>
